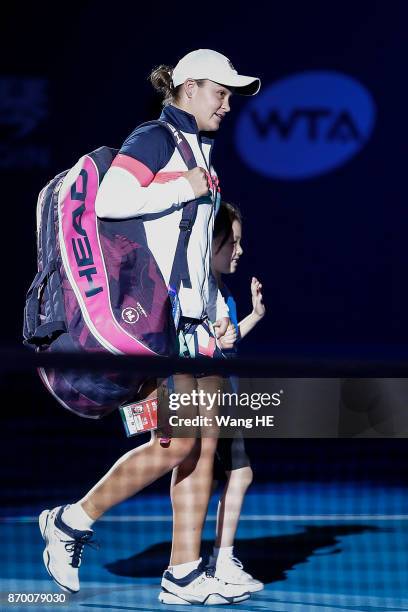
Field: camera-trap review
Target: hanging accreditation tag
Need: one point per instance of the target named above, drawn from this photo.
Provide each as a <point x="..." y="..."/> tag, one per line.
<point x="139" y="416"/>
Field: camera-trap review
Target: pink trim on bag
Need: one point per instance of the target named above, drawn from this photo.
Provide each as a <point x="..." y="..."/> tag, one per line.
<point x="86" y="263"/>
<point x="141" y="172"/>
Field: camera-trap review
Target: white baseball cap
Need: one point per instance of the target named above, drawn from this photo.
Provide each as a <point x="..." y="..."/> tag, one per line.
<point x="208" y="64"/>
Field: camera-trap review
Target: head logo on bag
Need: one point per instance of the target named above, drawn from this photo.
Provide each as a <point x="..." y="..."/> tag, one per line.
<point x="81" y="246"/>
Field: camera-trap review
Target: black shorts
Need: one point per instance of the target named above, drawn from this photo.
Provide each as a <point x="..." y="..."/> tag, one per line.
<point x="230" y="455"/>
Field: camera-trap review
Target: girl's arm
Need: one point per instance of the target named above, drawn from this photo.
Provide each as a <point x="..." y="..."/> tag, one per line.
<point x="258" y="309"/>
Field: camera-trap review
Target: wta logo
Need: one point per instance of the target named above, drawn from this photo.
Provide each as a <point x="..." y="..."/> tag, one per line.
<point x="305" y="125"/>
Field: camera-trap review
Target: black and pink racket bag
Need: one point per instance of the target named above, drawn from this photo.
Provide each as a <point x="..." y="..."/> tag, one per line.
<point x="98" y="289"/>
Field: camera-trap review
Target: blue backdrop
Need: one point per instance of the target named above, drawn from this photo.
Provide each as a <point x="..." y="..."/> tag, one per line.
<point x="316" y="162"/>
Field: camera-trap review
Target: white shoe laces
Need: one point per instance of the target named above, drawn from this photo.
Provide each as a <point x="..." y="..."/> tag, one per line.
<point x="237" y="562"/>
<point x="234" y="568"/>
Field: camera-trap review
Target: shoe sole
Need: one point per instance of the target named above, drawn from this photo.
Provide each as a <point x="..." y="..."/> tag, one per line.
<point x="43" y="523"/>
<point x="212" y="600"/>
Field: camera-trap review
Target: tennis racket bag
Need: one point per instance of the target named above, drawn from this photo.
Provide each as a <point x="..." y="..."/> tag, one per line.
<point x="98" y="288"/>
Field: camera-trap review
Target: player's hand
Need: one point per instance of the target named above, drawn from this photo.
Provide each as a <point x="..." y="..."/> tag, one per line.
<point x="258" y="307"/>
<point x="198" y="179"/>
<point x="230" y="337"/>
<point x="221" y="326"/>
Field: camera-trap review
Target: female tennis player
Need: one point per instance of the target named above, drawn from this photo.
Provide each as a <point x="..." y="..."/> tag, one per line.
<point x="149" y="179"/>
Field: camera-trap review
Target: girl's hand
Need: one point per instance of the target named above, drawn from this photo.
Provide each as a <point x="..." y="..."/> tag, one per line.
<point x="257" y="299"/>
<point x="230" y="337"/>
<point x="221" y="326"/>
<point x="197" y="177"/>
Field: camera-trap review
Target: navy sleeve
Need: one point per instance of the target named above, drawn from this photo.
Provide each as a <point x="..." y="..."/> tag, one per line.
<point x="152" y="145"/>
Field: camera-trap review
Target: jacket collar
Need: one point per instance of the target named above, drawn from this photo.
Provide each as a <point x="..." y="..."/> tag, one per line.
<point x="183" y="121"/>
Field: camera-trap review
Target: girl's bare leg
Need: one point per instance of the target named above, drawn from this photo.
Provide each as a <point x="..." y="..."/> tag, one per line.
<point x="230" y="505"/>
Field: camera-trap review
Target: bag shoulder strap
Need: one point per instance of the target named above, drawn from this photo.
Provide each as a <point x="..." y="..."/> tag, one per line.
<point x="180" y="272"/>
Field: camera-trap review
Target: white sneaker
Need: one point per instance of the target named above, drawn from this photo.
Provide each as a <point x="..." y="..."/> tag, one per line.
<point x="63" y="550"/>
<point x="231" y="570"/>
<point x="199" y="587"/>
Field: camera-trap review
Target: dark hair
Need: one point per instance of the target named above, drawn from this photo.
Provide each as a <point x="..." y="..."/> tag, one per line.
<point x="227" y="214"/>
<point x="161" y="79"/>
<point x="162" y="82"/>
